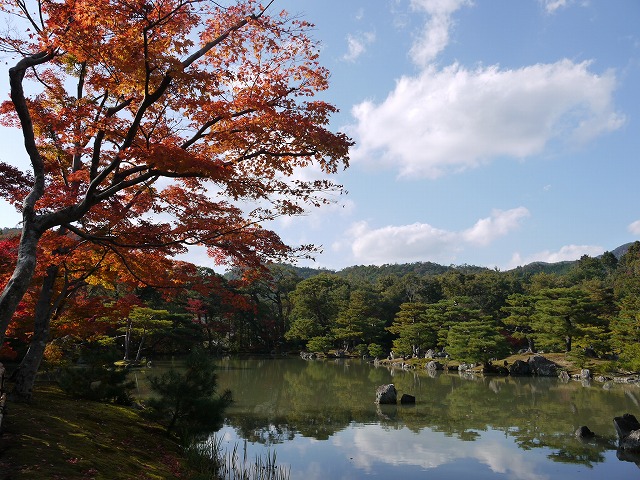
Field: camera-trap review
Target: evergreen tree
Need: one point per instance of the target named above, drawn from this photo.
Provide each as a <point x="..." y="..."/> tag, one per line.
<point x="625" y="332"/>
<point x="414" y="333"/>
<point x="358" y="322"/>
<point x="317" y="302"/>
<point x="563" y="315"/>
<point x="186" y="401"/>
<point x="519" y="309"/>
<point x="476" y="341"/>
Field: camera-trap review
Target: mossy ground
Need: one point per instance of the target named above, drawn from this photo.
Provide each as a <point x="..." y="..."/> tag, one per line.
<point x="58" y="437"/>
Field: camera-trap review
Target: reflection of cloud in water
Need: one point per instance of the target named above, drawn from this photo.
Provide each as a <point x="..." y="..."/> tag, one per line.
<point x="372" y="444"/>
<point x="501" y="458"/>
<point x="313" y="471"/>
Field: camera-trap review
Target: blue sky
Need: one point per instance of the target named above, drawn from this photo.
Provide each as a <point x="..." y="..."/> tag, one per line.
<point x="488" y="132"/>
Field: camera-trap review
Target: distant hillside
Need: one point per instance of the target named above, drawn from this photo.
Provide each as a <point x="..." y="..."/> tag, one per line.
<point x="558" y="268"/>
<point x="306" y="272"/>
<point x="373" y="272"/>
<point x="561" y="268"/>
<point x="621" y="250"/>
<point x="421" y="269"/>
<point x="9" y="232"/>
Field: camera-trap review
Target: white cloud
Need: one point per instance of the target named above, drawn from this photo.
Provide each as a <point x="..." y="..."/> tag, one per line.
<point x="497" y="225"/>
<point x="634" y="227"/>
<point x="421" y="241"/>
<point x="551" y="6"/>
<point x="435" y="36"/>
<point x="357" y="45"/>
<point x="449" y="120"/>
<point x="566" y="253"/>
<point x="405" y="243"/>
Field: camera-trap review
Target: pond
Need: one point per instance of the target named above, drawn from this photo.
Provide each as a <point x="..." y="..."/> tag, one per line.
<point x="320" y="419"/>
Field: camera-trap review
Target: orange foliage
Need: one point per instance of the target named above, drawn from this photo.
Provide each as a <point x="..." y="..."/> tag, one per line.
<point x="129" y="96"/>
<point x="155" y="125"/>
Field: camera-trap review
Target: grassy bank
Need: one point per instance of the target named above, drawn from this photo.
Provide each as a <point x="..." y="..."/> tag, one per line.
<point x="58" y="437"/>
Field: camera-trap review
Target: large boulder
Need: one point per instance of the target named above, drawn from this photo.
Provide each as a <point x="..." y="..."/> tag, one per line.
<point x="519" y="368"/>
<point x="542" y="367"/>
<point x="386" y="394"/>
<point x="625" y="424"/>
<point x="628" y="430"/>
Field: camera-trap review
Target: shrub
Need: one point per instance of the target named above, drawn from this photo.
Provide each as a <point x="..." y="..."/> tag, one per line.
<point x="186" y="400"/>
<point x="319" y="344"/>
<point x="376" y="350"/>
<point x="97" y="379"/>
<point x="362" y="349"/>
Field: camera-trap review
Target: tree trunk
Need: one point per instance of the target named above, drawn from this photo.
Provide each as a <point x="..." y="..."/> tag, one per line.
<point x="144" y="334"/>
<point x="25" y="374"/>
<point x="32" y="227"/>
<point x="21" y="278"/>
<point x="531" y="344"/>
<point x="567" y="342"/>
<point x="209" y="337"/>
<point x="127" y="340"/>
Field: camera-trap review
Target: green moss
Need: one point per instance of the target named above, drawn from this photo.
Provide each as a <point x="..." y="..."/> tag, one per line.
<point x="58" y="437"/>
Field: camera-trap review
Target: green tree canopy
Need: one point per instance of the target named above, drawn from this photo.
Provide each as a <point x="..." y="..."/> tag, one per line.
<point x="317" y="302"/>
<point x="476" y="341"/>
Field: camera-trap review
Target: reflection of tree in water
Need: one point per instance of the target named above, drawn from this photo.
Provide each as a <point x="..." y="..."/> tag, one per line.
<point x="255" y="430"/>
<point x="319" y="398"/>
<point x="314" y="399"/>
<point x="584" y="456"/>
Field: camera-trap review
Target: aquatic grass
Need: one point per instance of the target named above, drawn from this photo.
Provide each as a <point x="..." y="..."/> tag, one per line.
<point x="213" y="461"/>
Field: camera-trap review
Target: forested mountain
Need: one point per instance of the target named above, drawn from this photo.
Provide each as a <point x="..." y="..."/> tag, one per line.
<point x="559" y="268"/>
<point x="373" y="272"/>
<point x="621" y="250"/>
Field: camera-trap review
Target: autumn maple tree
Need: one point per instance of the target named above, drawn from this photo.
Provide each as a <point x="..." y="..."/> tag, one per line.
<point x="76" y="283"/>
<point x="155" y="125"/>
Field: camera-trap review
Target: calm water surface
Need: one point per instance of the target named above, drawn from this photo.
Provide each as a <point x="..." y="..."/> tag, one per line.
<point x="320" y="419"/>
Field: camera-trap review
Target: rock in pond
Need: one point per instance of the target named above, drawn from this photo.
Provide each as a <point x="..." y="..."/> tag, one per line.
<point x="625" y="424"/>
<point x="519" y="368"/>
<point x="543" y="367"/>
<point x="628" y="430"/>
<point x="386" y="394"/>
<point x="434" y="366"/>
<point x="584" y="432"/>
<point x="631" y="443"/>
<point x="407" y="399"/>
